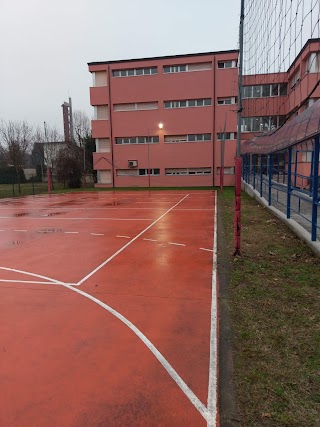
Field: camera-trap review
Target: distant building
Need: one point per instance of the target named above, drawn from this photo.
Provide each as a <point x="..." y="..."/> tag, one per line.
<point x="194" y="97"/>
<point x="67" y="121"/>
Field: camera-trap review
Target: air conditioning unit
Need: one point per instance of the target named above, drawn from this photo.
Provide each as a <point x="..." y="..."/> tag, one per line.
<point x="132" y="163"/>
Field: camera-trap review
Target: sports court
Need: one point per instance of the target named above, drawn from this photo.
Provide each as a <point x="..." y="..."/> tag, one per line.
<point x="108" y="309"/>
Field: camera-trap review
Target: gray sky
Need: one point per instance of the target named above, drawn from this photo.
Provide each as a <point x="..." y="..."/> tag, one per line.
<point x="46" y="45"/>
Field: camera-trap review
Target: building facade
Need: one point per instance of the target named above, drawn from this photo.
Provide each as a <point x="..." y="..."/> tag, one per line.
<point x="162" y="122"/>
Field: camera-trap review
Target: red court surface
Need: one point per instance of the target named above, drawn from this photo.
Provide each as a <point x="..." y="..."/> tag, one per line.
<point x="108" y="311"/>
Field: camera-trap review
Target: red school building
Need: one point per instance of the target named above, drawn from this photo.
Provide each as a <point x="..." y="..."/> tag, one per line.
<point x="159" y="121"/>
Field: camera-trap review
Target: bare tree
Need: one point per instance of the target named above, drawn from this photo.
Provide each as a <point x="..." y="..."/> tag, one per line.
<point x="17" y="137"/>
<point x="81" y="127"/>
<point x="3" y="156"/>
<point x="83" y="138"/>
<point x="69" y="165"/>
<point x="49" y="142"/>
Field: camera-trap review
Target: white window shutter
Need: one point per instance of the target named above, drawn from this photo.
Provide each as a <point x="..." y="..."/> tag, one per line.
<point x="103" y="145"/>
<point x="100" y="78"/>
<point x="200" y="66"/>
<point x="104" y="177"/>
<point x="102" y="112"/>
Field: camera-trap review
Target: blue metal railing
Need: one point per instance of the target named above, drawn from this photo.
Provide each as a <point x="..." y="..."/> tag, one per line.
<point x="281" y="179"/>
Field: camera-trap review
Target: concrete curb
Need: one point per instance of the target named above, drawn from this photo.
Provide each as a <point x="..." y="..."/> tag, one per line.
<point x="292" y="224"/>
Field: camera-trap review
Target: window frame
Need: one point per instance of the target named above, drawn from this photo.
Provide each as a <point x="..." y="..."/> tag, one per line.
<point x="136" y="72"/>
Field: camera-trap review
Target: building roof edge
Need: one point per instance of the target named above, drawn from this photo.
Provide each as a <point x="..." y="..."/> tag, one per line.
<point x="154" y="58"/>
<point x="309" y="41"/>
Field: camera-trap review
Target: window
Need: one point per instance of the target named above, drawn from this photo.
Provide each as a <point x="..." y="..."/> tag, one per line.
<point x="311" y="101"/>
<point x="101" y="112"/>
<point x="228" y="135"/>
<point x="155" y="171"/>
<point x="99" y="78"/>
<point x="227" y="64"/>
<point x="188" y="171"/>
<point x="226" y="101"/>
<point x="307" y="156"/>
<point x="135" y="72"/>
<point x="188" y="103"/>
<point x="136" y="106"/>
<point x="188" y="138"/>
<point x="265" y="91"/>
<point x="229" y="170"/>
<point x="103" y="145"/>
<point x="313" y="65"/>
<point x="138" y="140"/>
<point x="262" y="124"/>
<point x="137" y="172"/>
<point x="201" y="66"/>
<point x="294" y="81"/>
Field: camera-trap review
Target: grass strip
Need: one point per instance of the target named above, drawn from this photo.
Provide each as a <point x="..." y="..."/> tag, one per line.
<point x="275" y="316"/>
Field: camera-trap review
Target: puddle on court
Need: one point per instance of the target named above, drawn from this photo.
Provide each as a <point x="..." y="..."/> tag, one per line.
<point x="53" y="214"/>
<point x="50" y="230"/>
<point x="15" y="243"/>
<point x="118" y="202"/>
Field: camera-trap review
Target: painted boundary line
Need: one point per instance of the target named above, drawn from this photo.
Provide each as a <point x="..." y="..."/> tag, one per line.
<point x="129" y="243"/>
<point x="45" y="218"/>
<point x="171" y="371"/>
<point x="49" y="279"/>
<point x="213" y="366"/>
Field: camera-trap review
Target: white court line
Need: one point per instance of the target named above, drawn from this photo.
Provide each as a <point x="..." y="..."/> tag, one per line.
<point x="129" y="243"/>
<point x="97" y="234"/>
<point x="56" y="282"/>
<point x="171" y="371"/>
<point x="151" y="240"/>
<point x="213" y="365"/>
<point x="21" y="230"/>
<point x="156" y="201"/>
<point x="73" y="219"/>
<point x="204" y="249"/>
<point x="71" y="232"/>
<point x="125" y="237"/>
<point x="28" y="281"/>
<point x="177" y="244"/>
<point x="195" y="209"/>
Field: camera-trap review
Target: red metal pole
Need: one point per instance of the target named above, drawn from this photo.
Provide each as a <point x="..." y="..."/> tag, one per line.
<point x="237" y="206"/>
<point x="49" y="178"/>
<point x="221" y="178"/>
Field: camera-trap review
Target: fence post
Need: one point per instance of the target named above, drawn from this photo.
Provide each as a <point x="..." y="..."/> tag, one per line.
<point x="315" y="188"/>
<point x="296" y="170"/>
<point x="261" y="175"/>
<point x="289" y="183"/>
<point x="270" y="177"/>
<point x="254" y="160"/>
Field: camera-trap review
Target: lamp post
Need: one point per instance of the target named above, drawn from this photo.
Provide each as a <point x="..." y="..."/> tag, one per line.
<point x="160" y="126"/>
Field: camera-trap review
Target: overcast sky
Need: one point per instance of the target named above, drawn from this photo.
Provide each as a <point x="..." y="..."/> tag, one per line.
<point x="45" y="45"/>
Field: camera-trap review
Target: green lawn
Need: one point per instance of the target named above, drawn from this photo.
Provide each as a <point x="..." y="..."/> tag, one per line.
<point x="27" y="189"/>
<point x="275" y="315"/>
